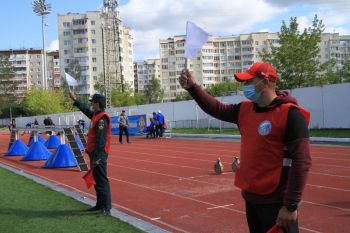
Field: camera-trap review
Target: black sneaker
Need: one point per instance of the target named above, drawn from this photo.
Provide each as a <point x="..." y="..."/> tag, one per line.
<point x="103" y="213"/>
<point x="94" y="208"/>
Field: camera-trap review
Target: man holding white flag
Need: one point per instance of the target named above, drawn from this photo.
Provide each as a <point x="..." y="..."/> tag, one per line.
<point x="70" y="80"/>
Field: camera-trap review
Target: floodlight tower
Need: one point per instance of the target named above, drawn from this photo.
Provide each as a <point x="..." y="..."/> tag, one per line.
<point x="41" y="8"/>
<point x="111" y="27"/>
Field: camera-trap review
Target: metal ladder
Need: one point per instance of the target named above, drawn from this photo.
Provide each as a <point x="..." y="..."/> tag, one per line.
<point x="75" y="149"/>
<point x="13" y="138"/>
<point x="81" y="135"/>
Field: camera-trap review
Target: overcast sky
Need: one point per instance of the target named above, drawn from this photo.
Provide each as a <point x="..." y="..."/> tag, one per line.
<point x="151" y="20"/>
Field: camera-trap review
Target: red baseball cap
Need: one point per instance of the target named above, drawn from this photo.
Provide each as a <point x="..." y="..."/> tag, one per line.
<point x="258" y="69"/>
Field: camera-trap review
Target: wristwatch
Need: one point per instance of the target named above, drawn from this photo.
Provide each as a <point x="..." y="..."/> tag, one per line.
<point x="292" y="207"/>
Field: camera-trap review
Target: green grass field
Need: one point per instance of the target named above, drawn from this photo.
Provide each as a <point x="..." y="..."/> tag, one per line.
<point x="29" y="207"/>
<point x="334" y="133"/>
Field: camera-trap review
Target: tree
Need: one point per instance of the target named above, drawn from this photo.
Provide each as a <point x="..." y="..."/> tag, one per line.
<point x="329" y="74"/>
<point x="183" y="96"/>
<point x="7" y="86"/>
<point x="99" y="86"/>
<point x="344" y="72"/>
<point x="120" y="98"/>
<point x="153" y="91"/>
<point x="297" y="56"/>
<point x="224" y="88"/>
<point x="41" y="102"/>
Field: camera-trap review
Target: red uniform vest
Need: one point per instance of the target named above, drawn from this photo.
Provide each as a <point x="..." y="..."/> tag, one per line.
<point x="262" y="144"/>
<point x="91" y="141"/>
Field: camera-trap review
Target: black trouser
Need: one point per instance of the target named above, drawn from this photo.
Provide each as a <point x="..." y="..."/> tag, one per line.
<point x="126" y="131"/>
<point x="159" y="130"/>
<point x="261" y="217"/>
<point x="103" y="192"/>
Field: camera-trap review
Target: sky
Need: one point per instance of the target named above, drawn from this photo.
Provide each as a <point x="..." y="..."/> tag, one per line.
<point x="151" y="20"/>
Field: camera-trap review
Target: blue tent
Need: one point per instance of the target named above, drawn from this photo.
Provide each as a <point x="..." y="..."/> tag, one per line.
<point x="17" y="148"/>
<point x="62" y="157"/>
<point x="53" y="142"/>
<point x="37" y="152"/>
<point x="40" y="139"/>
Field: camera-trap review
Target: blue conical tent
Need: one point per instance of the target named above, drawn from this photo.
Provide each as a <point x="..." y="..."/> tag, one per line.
<point x="40" y="139"/>
<point x="37" y="152"/>
<point x="53" y="142"/>
<point x="62" y="157"/>
<point x="17" y="148"/>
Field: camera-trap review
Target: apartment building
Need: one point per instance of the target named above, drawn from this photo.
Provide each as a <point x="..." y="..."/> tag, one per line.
<point x="144" y="72"/>
<point x="336" y="47"/>
<point x="53" y="70"/>
<point x="81" y="37"/>
<point x="28" y="65"/>
<point x="218" y="60"/>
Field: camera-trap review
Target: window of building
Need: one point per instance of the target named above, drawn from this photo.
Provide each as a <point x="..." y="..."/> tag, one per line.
<point x="93" y="41"/>
<point x="94" y="59"/>
<point x="93" y="22"/>
<point x="66" y="24"/>
<point x="94" y="50"/>
<point x="93" y="31"/>
<point x="67" y="33"/>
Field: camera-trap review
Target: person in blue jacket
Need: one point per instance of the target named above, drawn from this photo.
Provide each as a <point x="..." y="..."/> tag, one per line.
<point x="160" y="126"/>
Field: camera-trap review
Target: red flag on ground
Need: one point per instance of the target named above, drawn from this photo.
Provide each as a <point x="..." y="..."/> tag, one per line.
<point x="89" y="179"/>
<point x="275" y="229"/>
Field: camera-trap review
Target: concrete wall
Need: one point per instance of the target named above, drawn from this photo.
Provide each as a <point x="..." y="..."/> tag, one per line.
<point x="329" y="107"/>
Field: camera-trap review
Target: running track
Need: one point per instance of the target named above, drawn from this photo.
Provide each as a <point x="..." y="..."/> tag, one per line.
<point x="170" y="183"/>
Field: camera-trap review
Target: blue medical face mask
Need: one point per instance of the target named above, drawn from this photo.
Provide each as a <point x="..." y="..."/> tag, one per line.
<point x="250" y="92"/>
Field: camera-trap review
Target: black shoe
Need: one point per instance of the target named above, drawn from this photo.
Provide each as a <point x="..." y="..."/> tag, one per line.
<point x="94" y="208"/>
<point x="103" y="213"/>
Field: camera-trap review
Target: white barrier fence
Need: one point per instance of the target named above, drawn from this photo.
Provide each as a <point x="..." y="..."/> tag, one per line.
<point x="329" y="107"/>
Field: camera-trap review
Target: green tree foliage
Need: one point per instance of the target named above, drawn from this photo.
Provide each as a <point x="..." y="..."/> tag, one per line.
<point x="297" y="56"/>
<point x="7" y="86"/>
<point x="344" y="72"/>
<point x="100" y="85"/>
<point x="224" y="88"/>
<point x="41" y="102"/>
<point x="183" y="96"/>
<point x="153" y="91"/>
<point x="120" y="98"/>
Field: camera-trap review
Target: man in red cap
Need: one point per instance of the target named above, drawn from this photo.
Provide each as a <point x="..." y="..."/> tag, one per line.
<point x="275" y="156"/>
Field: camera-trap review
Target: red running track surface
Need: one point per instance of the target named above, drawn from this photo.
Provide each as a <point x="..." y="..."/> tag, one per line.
<point x="171" y="183"/>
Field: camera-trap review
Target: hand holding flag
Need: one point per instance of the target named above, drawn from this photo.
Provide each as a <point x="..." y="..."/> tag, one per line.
<point x="89" y="179"/>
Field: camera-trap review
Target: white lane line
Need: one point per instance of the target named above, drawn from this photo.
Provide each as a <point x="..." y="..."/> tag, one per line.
<point x="326" y="174"/>
<point x="307" y="229"/>
<point x="219" y="206"/>
<point x="154" y="219"/>
<point x="328" y="206"/>
<point x="174" y="195"/>
<point x="172" y="176"/>
<point x="327" y="187"/>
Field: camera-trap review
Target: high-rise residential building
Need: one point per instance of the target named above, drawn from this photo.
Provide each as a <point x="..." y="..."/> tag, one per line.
<point x="53" y="70"/>
<point x="144" y="72"/>
<point x="27" y="65"/>
<point x="336" y="47"/>
<point x="81" y="37"/>
<point x="218" y="60"/>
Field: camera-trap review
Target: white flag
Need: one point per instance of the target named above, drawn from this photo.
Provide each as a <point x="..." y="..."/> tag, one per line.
<point x="70" y="80"/>
<point x="196" y="37"/>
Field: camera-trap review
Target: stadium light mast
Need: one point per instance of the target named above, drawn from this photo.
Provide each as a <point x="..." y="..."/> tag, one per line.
<point x="41" y="8"/>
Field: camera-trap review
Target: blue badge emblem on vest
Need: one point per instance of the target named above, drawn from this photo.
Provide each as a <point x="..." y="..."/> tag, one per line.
<point x="265" y="128"/>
